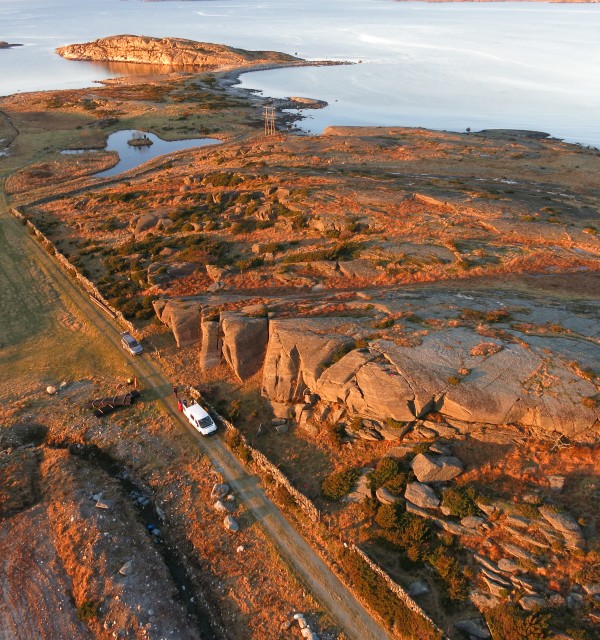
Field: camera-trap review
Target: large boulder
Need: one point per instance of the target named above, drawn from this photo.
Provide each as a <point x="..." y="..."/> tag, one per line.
<point x="430" y="468"/>
<point x="244" y="343"/>
<point x="422" y="495"/>
<point x="298" y="350"/>
<point x="183" y="318"/>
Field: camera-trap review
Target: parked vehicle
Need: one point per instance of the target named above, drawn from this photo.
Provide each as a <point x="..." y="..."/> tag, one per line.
<point x="199" y="419"/>
<point x="129" y="343"/>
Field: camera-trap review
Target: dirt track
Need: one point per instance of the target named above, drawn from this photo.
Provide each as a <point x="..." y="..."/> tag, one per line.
<point x="26" y="307"/>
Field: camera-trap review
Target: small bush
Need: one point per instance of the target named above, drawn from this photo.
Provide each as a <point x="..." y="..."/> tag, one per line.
<point x="337" y="485"/>
<point x="397" y="484"/>
<point x="509" y="622"/>
<point x="385" y="470"/>
<point x="460" y="501"/>
<point x="236" y="444"/>
<point x="88" y="610"/>
<point x="387" y="516"/>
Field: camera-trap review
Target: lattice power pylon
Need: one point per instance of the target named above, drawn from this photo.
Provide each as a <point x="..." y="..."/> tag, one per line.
<point x="269" y="120"/>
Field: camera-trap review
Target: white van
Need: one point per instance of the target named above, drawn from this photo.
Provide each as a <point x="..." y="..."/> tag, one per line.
<point x="199" y="419"/>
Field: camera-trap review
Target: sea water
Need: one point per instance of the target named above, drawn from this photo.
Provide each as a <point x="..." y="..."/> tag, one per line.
<point x="445" y="66"/>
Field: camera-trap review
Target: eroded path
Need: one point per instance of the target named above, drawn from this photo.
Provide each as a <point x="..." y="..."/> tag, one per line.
<point x="31" y="285"/>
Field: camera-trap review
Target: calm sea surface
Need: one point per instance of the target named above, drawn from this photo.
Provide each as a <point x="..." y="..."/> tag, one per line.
<point x="445" y="66"/>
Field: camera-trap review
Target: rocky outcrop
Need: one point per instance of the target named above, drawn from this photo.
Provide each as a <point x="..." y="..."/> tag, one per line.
<point x="171" y="52"/>
<point x="507" y="383"/>
<point x="429" y="468"/>
<point x="244" y="343"/>
<point x="210" y="350"/>
<point x="183" y="318"/>
<point x="297" y="352"/>
<point x="566" y="524"/>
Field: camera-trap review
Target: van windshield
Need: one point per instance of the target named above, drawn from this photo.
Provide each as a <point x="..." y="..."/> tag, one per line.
<point x="205" y="422"/>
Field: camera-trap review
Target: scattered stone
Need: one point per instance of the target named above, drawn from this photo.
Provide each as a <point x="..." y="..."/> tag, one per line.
<point x="278" y="422"/>
<point x="526" y="583"/>
<point x="418" y="588"/>
<point x="363" y="487"/>
<point x="566" y="524"/>
<point x="485" y="562"/>
<point x="472" y="522"/>
<point x="556" y="600"/>
<point x="385" y="496"/>
<point x="522" y="554"/>
<point x="302" y="623"/>
<point x="483" y="600"/>
<point x="523" y="538"/>
<point x="298" y="616"/>
<point x="126" y="568"/>
<point x="103" y="504"/>
<point x="509" y="566"/>
<point x="50" y="390"/>
<point x="440" y="449"/>
<point x="556" y="483"/>
<point x="591" y="589"/>
<point x="531" y="603"/>
<point x="219" y="506"/>
<point x="495" y="588"/>
<point x="156" y="532"/>
<point x="488" y="509"/>
<point x="285" y="625"/>
<point x="422" y="495"/>
<point x="574" y="600"/>
<point x="476" y="628"/>
<point x="281" y="428"/>
<point x="219" y="491"/>
<point x="531" y="498"/>
<point x="496" y="577"/>
<point x="518" y="521"/>
<point x="430" y="468"/>
<point x="230" y="524"/>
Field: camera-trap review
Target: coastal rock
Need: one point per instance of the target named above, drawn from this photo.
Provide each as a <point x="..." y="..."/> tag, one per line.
<point x="244" y="343"/>
<point x="171" y="52"/>
<point x="429" y="468"/>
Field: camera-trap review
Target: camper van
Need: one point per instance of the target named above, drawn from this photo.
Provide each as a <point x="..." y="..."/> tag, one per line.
<point x="199" y="419"/>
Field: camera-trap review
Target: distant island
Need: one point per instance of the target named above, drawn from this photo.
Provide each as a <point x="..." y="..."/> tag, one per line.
<point x="172" y="52"/>
<point x="8" y="45"/>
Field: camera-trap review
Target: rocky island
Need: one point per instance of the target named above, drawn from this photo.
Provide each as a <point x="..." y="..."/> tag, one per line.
<point x="172" y="52"/>
<point x="398" y="328"/>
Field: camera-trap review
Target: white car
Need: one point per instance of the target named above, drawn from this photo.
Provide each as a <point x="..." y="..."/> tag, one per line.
<point x="129" y="343"/>
<point x="199" y="419"/>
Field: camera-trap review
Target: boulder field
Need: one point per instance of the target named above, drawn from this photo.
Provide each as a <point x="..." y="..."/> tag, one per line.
<point x="447" y="371"/>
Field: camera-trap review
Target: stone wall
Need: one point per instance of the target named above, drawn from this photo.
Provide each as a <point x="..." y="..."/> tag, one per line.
<point x="397" y="589"/>
<point x="89" y="286"/>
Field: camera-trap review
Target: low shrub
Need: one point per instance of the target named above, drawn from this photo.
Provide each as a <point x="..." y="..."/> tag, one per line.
<point x="337" y="485"/>
<point x="508" y="622"/>
<point x="460" y="501"/>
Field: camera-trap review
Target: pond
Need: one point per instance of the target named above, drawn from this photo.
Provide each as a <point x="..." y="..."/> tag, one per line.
<point x="133" y="156"/>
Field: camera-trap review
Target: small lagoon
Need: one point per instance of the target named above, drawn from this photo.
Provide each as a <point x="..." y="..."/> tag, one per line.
<point x="133" y="156"/>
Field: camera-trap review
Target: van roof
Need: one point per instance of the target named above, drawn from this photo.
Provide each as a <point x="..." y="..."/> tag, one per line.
<point x="196" y="411"/>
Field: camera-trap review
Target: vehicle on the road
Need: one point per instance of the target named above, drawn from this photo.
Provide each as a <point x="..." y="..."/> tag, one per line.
<point x="129" y="343"/>
<point x="199" y="419"/>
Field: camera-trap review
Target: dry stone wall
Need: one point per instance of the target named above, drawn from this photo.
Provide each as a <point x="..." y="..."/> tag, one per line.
<point x="89" y="286"/>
